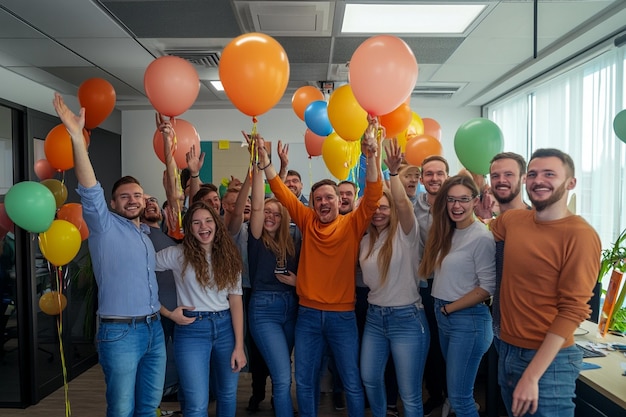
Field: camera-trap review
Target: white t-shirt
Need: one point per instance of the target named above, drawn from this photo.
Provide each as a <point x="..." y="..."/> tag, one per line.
<point x="189" y="292"/>
<point x="402" y="286"/>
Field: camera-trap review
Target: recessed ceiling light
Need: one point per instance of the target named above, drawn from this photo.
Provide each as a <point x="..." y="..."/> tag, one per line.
<point x="217" y="84"/>
<point x="410" y="18"/>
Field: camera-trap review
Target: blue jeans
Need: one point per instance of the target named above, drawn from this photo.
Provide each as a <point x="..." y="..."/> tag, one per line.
<point x="202" y="347"/>
<point x="465" y="336"/>
<point x="314" y="330"/>
<point x="403" y="332"/>
<point x="132" y="357"/>
<point x="272" y="322"/>
<point x="557" y="386"/>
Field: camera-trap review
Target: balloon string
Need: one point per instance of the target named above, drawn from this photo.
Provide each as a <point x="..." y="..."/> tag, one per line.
<point x="59" y="275"/>
<point x="177" y="179"/>
<point x="254" y="149"/>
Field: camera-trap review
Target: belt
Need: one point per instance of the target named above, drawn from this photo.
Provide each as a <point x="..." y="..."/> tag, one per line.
<point x="128" y="320"/>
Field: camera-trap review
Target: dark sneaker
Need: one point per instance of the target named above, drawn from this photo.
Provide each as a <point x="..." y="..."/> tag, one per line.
<point x="338" y="401"/>
<point x="392" y="411"/>
<point x="253" y="404"/>
<point x="432" y="404"/>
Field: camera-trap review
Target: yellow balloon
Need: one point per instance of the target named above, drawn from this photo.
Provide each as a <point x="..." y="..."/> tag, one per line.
<point x="60" y="243"/>
<point x="52" y="303"/>
<point x="346" y="116"/>
<point x="415" y="128"/>
<point x="58" y="189"/>
<point x="340" y="156"/>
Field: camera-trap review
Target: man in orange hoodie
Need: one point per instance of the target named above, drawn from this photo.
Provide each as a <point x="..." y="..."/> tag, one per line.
<point x="326" y="278"/>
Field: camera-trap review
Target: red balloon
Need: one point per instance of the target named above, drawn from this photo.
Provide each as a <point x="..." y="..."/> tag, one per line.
<point x="313" y="143"/>
<point x="97" y="96"/>
<point x="172" y="85"/>
<point x="303" y="97"/>
<point x="396" y="121"/>
<point x="432" y="128"/>
<point x="73" y="213"/>
<point x="44" y="170"/>
<point x="421" y="146"/>
<point x="186" y="137"/>
<point x="6" y="224"/>
<point x="58" y="148"/>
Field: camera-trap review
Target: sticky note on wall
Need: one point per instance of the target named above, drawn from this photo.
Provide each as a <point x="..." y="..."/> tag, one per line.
<point x="223" y="145"/>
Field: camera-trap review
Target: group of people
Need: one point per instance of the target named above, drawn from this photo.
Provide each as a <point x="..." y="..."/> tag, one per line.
<point x="432" y="263"/>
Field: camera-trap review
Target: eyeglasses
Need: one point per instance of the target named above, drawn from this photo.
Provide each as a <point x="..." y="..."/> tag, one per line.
<point x="276" y="215"/>
<point x="460" y="200"/>
<point x="383" y="209"/>
<point x="152" y="200"/>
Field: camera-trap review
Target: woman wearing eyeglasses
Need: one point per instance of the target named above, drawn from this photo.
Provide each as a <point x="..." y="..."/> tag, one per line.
<point x="461" y="253"/>
<point x="395" y="322"/>
<point x="272" y="261"/>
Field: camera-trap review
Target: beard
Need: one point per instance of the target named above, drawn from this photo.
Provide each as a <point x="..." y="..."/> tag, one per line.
<point x="557" y="194"/>
<point x="505" y="200"/>
<point x="152" y="217"/>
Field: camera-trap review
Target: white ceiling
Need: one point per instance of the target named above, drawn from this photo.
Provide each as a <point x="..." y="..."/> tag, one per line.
<point x="61" y="43"/>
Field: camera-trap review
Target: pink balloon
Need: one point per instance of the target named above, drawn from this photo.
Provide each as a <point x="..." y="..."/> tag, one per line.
<point x="186" y="136"/>
<point x="383" y="73"/>
<point x="44" y="170"/>
<point x="432" y="128"/>
<point x="172" y="85"/>
<point x="313" y="143"/>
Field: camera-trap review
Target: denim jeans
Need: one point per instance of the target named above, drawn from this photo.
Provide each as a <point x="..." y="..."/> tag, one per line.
<point x="314" y="330"/>
<point x="202" y="347"/>
<point x="557" y="386"/>
<point x="272" y="321"/>
<point x="403" y="332"/>
<point x="132" y="357"/>
<point x="465" y="336"/>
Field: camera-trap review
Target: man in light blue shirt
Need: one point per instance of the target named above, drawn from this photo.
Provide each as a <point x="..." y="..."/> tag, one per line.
<point x="130" y="341"/>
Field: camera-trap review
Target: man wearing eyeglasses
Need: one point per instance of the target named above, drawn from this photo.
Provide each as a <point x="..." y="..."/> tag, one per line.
<point x="549" y="271"/>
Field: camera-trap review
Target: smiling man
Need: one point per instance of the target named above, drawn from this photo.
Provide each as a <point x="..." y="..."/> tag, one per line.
<point x="549" y="271"/>
<point x="130" y="341"/>
<point x="326" y="278"/>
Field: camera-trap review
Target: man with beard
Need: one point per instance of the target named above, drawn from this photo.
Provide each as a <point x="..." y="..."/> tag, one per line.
<point x="347" y="196"/>
<point x="549" y="271"/>
<point x="152" y="216"/>
<point x="293" y="181"/>
<point x="435" y="170"/>
<point x="130" y="342"/>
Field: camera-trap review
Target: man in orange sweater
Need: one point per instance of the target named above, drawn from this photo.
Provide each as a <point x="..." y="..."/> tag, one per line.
<point x="326" y="278"/>
<point x="551" y="262"/>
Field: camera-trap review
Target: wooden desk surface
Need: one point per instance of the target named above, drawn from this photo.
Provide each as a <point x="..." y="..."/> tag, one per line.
<point x="607" y="380"/>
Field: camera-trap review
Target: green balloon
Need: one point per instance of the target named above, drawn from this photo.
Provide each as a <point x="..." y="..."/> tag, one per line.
<point x="31" y="206"/>
<point x="619" y="125"/>
<point x="476" y="142"/>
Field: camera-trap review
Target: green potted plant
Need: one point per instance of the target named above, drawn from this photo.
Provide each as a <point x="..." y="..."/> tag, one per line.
<point x="613" y="260"/>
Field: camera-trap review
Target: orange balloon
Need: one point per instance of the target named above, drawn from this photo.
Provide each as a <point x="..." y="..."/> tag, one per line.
<point x="396" y="121"/>
<point x="432" y="128"/>
<point x="58" y="148"/>
<point x="97" y="96"/>
<point x="254" y="70"/>
<point x="52" y="303"/>
<point x="415" y="128"/>
<point x="421" y="146"/>
<point x="303" y="97"/>
<point x="313" y="143"/>
<point x="73" y="213"/>
<point x="44" y="170"/>
<point x="186" y="137"/>
<point x="172" y="85"/>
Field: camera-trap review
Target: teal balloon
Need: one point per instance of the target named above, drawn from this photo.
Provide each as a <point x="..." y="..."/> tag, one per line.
<point x="31" y="206"/>
<point x="476" y="142"/>
<point x="619" y="125"/>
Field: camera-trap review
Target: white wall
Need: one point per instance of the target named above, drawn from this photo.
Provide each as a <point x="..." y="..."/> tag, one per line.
<point x="138" y="127"/>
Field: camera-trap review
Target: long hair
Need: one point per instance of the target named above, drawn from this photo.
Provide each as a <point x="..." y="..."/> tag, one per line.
<point x="440" y="234"/>
<point x="226" y="265"/>
<point x="282" y="244"/>
<point x="386" y="250"/>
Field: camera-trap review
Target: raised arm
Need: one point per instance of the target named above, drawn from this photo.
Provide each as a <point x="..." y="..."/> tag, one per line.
<point x="172" y="190"/>
<point x="234" y="220"/>
<point x="74" y="125"/>
<point x="195" y="160"/>
<point x="264" y="163"/>
<point x="283" y="154"/>
<point x="369" y="147"/>
<point x="257" y="217"/>
<point x="400" y="198"/>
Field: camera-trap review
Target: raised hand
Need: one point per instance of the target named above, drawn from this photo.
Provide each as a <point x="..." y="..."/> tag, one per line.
<point x="369" y="143"/>
<point x="195" y="160"/>
<point x="394" y="156"/>
<point x="73" y="123"/>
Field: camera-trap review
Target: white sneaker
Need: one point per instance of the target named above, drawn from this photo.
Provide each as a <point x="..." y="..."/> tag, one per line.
<point x="447" y="410"/>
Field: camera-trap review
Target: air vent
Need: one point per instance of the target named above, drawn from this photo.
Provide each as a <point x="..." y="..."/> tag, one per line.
<point x="209" y="59"/>
<point x="429" y="91"/>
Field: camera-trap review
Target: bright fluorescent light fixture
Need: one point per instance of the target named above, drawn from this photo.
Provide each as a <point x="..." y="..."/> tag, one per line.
<point x="410" y="18"/>
<point x="217" y="84"/>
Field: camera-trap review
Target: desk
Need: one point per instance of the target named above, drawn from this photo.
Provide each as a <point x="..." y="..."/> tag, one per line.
<point x="595" y="386"/>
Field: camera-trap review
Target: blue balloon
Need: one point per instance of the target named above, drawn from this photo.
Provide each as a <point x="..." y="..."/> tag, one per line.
<point x="316" y="118"/>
